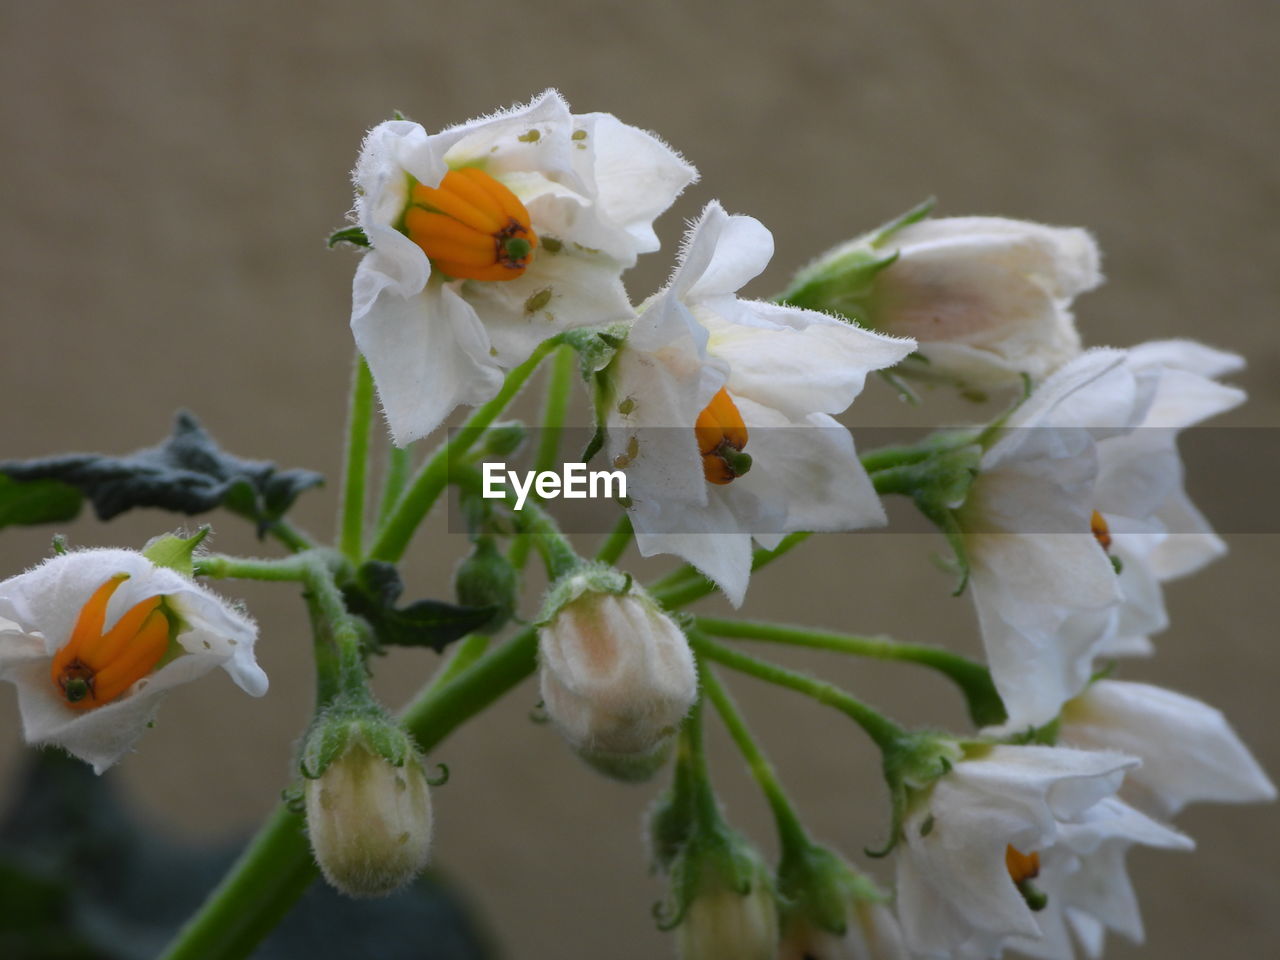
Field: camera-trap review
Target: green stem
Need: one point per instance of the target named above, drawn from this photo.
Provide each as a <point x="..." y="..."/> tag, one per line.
<point x="886" y="734"/>
<point x="222" y="567"/>
<point x="685" y="585"/>
<point x="399" y="462"/>
<point x="394" y="535"/>
<point x="973" y="679"/>
<point x="293" y="538"/>
<point x="693" y="752"/>
<point x="555" y="409"/>
<point x="465" y="653"/>
<point x="790" y="830"/>
<point x="276" y="869"/>
<point x="356" y="468"/>
<point x="615" y="545"/>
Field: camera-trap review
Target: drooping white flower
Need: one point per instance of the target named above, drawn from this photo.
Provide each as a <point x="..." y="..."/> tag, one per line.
<point x="492" y="236"/>
<point x="617" y="677"/>
<point x="1155" y="531"/>
<point x="1188" y="750"/>
<point x="101" y="636"/>
<point x="1086" y="887"/>
<point x="1047" y="596"/>
<point x="723" y="922"/>
<point x="974" y="844"/>
<point x="708" y="386"/>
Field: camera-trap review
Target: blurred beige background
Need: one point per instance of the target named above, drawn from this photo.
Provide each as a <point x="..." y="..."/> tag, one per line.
<point x="171" y="171"/>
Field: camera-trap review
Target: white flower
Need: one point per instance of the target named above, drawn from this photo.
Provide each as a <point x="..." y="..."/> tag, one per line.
<point x="1188" y="750"/>
<point x="1156" y="532"/>
<point x="872" y="934"/>
<point x="101" y="636"/>
<point x="617" y="679"/>
<point x="756" y="379"/>
<point x="1047" y="595"/>
<point x="489" y="237"/>
<point x="1084" y="880"/>
<point x="973" y="846"/>
<point x="987" y="299"/>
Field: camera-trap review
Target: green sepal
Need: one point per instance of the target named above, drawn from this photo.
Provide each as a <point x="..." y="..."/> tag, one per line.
<point x="585" y="578"/>
<point x="597" y="347"/>
<point x="37" y="501"/>
<point x="355" y="236"/>
<point x="374" y="594"/>
<point x="817" y="886"/>
<point x="713" y="858"/>
<point x="939" y="483"/>
<point x="842" y="280"/>
<point x="175" y="552"/>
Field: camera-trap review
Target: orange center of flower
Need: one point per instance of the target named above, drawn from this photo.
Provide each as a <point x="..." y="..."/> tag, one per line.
<point x="471" y="227"/>
<point x="721" y="436"/>
<point x="1101" y="532"/>
<point x="1023" y="868"/>
<point x="95" y="667"/>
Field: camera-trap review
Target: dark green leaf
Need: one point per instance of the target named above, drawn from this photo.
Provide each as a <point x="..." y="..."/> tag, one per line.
<point x="424" y="623"/>
<point x="37" y="501"/>
<point x="187" y="473"/>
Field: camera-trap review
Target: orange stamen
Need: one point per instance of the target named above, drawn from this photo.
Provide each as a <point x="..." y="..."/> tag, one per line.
<point x="721" y="435"/>
<point x="471" y="227"/>
<point x="1101" y="532"/>
<point x="95" y="668"/>
<point x="1022" y="866"/>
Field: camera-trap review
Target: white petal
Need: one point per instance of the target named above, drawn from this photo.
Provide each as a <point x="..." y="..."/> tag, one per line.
<point x="720" y="254"/>
<point x="797" y="361"/>
<point x="428" y="353"/>
<point x="708" y="540"/>
<point x="805" y="475"/>
<point x="558" y="292"/>
<point x="1188" y="749"/>
<point x="636" y="176"/>
<point x="532" y="137"/>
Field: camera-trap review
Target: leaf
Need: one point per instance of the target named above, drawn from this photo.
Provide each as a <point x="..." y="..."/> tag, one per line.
<point x="424" y="623"/>
<point x="187" y="473"/>
<point x="37" y="501"/>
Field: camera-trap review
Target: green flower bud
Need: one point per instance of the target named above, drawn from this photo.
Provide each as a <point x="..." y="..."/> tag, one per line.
<point x="505" y="438"/>
<point x="487" y="579"/>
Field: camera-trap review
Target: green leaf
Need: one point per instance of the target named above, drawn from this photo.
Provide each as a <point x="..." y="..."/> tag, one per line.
<point x="187" y="473"/>
<point x="37" y="501"/>
<point x="424" y="623"/>
<point x="352" y="235"/>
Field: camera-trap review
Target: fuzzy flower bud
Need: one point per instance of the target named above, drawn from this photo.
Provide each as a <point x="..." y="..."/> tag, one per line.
<point x="726" y="923"/>
<point x="617" y="673"/>
<point x="987" y="299"/>
<point x="369" y="821"/>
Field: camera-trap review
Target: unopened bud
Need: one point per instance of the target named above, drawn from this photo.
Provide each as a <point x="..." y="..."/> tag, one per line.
<point x="486" y="578"/>
<point x="727" y="922"/>
<point x="369" y="821"/>
<point x="505" y="438"/>
<point x="617" y="677"/>
<point x="987" y="299"/>
<point x="872" y="933"/>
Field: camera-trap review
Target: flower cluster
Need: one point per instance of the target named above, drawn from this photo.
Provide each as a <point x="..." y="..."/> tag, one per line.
<point x="488" y="246"/>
